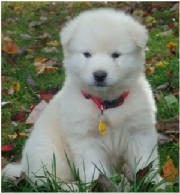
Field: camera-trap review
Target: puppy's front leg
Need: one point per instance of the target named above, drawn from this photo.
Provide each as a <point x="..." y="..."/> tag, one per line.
<point x="89" y="159"/>
<point x="141" y="151"/>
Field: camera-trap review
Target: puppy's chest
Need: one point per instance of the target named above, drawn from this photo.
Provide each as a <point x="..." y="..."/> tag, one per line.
<point x="85" y="120"/>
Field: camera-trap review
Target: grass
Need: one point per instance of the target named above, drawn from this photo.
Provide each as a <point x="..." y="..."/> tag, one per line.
<point x="16" y="17"/>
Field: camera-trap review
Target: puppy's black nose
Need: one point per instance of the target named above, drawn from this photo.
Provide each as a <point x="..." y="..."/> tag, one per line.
<point x="100" y="75"/>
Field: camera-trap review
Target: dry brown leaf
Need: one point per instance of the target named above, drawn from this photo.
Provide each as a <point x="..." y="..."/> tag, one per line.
<point x="150" y="70"/>
<point x="170" y="124"/>
<point x="10" y="47"/>
<point x="169" y="170"/>
<point x="50" y="69"/>
<point x="54" y="43"/>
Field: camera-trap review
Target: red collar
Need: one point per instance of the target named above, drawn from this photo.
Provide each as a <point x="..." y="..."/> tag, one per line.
<point x="106" y="104"/>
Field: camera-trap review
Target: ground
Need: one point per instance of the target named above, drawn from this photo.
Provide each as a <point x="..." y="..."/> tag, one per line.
<point x="32" y="71"/>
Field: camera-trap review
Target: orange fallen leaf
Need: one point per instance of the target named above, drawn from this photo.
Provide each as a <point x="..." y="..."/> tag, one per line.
<point x="10" y="47"/>
<point x="169" y="170"/>
<point x="44" y="65"/>
<point x="171" y="45"/>
<point x="39" y="59"/>
<point x="150" y="70"/>
<point x="50" y="69"/>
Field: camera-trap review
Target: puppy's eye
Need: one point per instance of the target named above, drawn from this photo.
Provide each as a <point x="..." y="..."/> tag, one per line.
<point x="87" y="54"/>
<point x="115" y="55"/>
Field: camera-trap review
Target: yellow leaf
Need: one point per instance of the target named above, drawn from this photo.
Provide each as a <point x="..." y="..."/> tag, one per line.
<point x="150" y="70"/>
<point x="171" y="45"/>
<point x="54" y="43"/>
<point x="150" y="19"/>
<point x="16" y="86"/>
<point x="169" y="171"/>
<point x="161" y="63"/>
<point x="12" y="136"/>
<point x="39" y="59"/>
<point x="40" y="68"/>
<point x="22" y="134"/>
<point x="18" y="9"/>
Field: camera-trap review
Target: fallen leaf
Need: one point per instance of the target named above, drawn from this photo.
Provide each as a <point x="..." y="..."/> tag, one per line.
<point x="40" y="59"/>
<point x="150" y="70"/>
<point x="105" y="185"/>
<point x="13" y="136"/>
<point x="142" y="172"/>
<point x="3" y="103"/>
<point x="44" y="36"/>
<point x="26" y="36"/>
<point x="50" y="69"/>
<point x="35" y="23"/>
<point x="50" y="49"/>
<point x="169" y="170"/>
<point x="3" y="161"/>
<point x="168" y="125"/>
<point x="7" y="148"/>
<point x="163" y="86"/>
<point x="163" y="138"/>
<point x="166" y="33"/>
<point x="161" y="64"/>
<point x="43" y="18"/>
<point x="10" y="47"/>
<point x="18" y="135"/>
<point x="5" y="79"/>
<point x="45" y="95"/>
<point x="34" y="115"/>
<point x="54" y="43"/>
<point x="14" y="87"/>
<point x="175" y="138"/>
<point x="23" y="134"/>
<point x="171" y="45"/>
<point x="150" y="19"/>
<point x="18" y="9"/>
<point x="20" y="116"/>
<point x="40" y="68"/>
<point x="45" y="64"/>
<point x="170" y="74"/>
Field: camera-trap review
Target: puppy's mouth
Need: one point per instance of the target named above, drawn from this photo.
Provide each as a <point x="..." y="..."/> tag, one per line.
<point x="100" y="84"/>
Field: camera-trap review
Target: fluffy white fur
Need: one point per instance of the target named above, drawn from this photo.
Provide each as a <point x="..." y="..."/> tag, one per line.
<point x="70" y="122"/>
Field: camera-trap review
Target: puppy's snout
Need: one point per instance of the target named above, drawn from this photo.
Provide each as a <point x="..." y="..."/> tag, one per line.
<point x="100" y="75"/>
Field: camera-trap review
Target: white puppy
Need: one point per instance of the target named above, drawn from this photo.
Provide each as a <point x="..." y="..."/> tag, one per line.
<point x="105" y="110"/>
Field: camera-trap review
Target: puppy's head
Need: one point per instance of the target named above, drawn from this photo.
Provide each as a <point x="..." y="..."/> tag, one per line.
<point x="103" y="48"/>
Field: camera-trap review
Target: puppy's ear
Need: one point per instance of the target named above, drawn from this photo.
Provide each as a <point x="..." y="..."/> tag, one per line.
<point x="139" y="35"/>
<point x="67" y="32"/>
